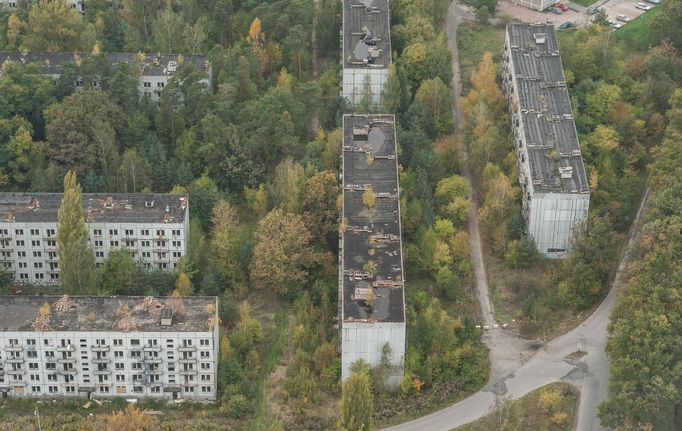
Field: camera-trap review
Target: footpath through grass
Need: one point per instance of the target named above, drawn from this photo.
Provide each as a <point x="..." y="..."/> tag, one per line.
<point x="550" y="408"/>
<point x="473" y="40"/>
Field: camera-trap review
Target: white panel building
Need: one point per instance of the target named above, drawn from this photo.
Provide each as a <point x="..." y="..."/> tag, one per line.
<point x="366" y="42"/>
<point x="76" y="4"/>
<point x="539" y="5"/>
<point x="556" y="195"/>
<point x="371" y="282"/>
<point x="154" y="227"/>
<point x="126" y="346"/>
<point x="155" y="71"/>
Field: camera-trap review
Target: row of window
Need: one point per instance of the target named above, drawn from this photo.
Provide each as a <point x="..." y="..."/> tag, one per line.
<point x="105" y="389"/>
<point x="102" y="342"/>
<point x="51" y="233"/>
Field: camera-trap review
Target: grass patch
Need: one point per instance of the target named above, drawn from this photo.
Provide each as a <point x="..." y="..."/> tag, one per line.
<point x="637" y="33"/>
<point x="550" y="408"/>
<point x="473" y="40"/>
<point x="585" y="3"/>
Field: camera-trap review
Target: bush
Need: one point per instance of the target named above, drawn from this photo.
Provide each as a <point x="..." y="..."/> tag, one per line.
<point x="549" y="399"/>
<point x="560" y="418"/>
<point x="237" y="407"/>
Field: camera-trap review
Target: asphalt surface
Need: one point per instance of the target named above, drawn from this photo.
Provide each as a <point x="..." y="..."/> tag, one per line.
<point x="520" y="366"/>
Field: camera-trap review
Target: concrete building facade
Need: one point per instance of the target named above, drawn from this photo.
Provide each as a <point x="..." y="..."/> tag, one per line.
<point x="538" y="5"/>
<point x="371" y="281"/>
<point x="366" y="50"/>
<point x="155" y="71"/>
<point x="131" y="347"/>
<point x="556" y="195"/>
<point x="154" y="227"/>
<point x="76" y="4"/>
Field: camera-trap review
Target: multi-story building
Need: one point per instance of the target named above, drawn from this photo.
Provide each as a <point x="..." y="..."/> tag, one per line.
<point x="366" y="42"/>
<point x="556" y="195"/>
<point x="126" y="346"/>
<point x="154" y="70"/>
<point x="371" y="281"/>
<point x="154" y="227"/>
<point x="539" y="5"/>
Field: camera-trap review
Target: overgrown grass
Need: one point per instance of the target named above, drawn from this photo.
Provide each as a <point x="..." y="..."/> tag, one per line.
<point x="534" y="411"/>
<point x="472" y="41"/>
<point x="585" y="3"/>
<point x="637" y="33"/>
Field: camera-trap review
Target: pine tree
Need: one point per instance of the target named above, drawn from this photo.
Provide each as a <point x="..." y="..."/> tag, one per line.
<point x="356" y="403"/>
<point x="76" y="261"/>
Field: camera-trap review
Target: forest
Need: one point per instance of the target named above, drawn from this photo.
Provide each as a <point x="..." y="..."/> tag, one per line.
<point x="258" y="155"/>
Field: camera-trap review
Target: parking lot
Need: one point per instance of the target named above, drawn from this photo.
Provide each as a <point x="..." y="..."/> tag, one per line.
<point x="575" y="15"/>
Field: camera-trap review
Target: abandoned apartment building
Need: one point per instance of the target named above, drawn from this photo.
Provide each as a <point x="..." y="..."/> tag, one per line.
<point x="153" y="227"/>
<point x="125" y="346"/>
<point x="371" y="282"/>
<point x="556" y="195"/>
<point x="366" y="50"/>
<point x="79" y="5"/>
<point x="155" y="71"/>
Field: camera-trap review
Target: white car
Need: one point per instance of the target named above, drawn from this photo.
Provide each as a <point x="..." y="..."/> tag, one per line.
<point x="623" y="18"/>
<point x="615" y="24"/>
<point x="642" y="6"/>
<point x="654" y="1"/>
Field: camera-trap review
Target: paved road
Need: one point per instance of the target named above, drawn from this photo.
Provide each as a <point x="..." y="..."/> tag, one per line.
<point x="520" y="366"/>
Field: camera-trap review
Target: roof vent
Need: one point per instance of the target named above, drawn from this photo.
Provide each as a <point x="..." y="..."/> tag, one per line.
<point x="149" y="204"/>
<point x="166" y="316"/>
<point x="109" y="203"/>
<point x="539" y="37"/>
<point x="566" y="172"/>
<point x="172" y="66"/>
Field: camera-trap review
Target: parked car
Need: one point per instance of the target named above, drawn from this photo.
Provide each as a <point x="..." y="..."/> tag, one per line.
<point x="567" y="25"/>
<point x="623" y="18"/>
<point x="555" y="10"/>
<point x="615" y="24"/>
<point x="592" y="10"/>
<point x="562" y="6"/>
<point x="642" y="6"/>
<point x="654" y="1"/>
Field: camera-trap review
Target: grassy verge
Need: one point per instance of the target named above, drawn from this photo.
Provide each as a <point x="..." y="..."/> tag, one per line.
<point x="472" y="41"/>
<point x="550" y="408"/>
<point x="585" y="3"/>
<point x="637" y="33"/>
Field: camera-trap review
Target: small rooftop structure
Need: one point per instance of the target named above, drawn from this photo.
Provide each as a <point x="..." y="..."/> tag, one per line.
<point x="97" y="207"/>
<point x="366" y="34"/>
<point x="108" y="313"/>
<point x="554" y="154"/>
<point x="372" y="266"/>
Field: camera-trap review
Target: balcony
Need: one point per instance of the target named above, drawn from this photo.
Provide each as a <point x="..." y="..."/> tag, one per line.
<point x="97" y="348"/>
<point x="16" y="383"/>
<point x="154" y="372"/>
<point x="14" y="360"/>
<point x="187" y="360"/>
<point x="70" y="371"/>
<point x="149" y="348"/>
<point x="187" y="372"/>
<point x="69" y="348"/>
<point x="14" y="348"/>
<point x="186" y="348"/>
<point x="15" y="372"/>
<point x="66" y="360"/>
<point x="152" y="360"/>
<point x="100" y="360"/>
<point x="101" y="372"/>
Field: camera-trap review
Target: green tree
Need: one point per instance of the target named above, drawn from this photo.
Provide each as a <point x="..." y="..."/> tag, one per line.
<point x="225" y="244"/>
<point x="356" y="404"/>
<point x="435" y="107"/>
<point x="282" y="253"/>
<point x="54" y="26"/>
<point x="119" y="273"/>
<point x="482" y="15"/>
<point x="183" y="285"/>
<point x="76" y="260"/>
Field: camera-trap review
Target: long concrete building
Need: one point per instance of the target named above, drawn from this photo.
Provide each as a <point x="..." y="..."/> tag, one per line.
<point x="131" y="347"/>
<point x="556" y="195"/>
<point x="366" y="50"/>
<point x="154" y="227"/>
<point x="154" y="70"/>
<point x="371" y="281"/>
<point x="79" y="5"/>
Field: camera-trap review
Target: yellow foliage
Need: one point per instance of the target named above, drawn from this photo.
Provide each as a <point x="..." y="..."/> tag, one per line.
<point x="594" y="181"/>
<point x="549" y="399"/>
<point x="44" y="309"/>
<point x="559" y="417"/>
<point x="255" y="30"/>
<point x="417" y="384"/>
<point x="369" y="197"/>
<point x="180" y="60"/>
<point x="129" y="419"/>
<point x="286" y="80"/>
<point x="183" y="286"/>
<point x="96" y="49"/>
<point x="225" y="347"/>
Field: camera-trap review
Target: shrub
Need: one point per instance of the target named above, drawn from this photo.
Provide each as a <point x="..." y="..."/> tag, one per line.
<point x="559" y="417"/>
<point x="549" y="399"/>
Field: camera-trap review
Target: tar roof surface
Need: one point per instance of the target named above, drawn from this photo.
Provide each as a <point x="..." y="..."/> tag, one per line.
<point x="545" y="106"/>
<point x="153" y="65"/>
<point x="108" y="313"/>
<point x="371" y="234"/>
<point x="121" y="208"/>
<point x="361" y="15"/>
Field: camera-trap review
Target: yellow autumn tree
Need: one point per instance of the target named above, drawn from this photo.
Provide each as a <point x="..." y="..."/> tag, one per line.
<point x="129" y="419"/>
<point x="369" y="198"/>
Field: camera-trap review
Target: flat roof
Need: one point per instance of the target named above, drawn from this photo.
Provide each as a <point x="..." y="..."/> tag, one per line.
<point x="97" y="207"/>
<point x="371" y="236"/>
<point x="107" y="313"/>
<point x="366" y="34"/>
<point x="555" y="159"/>
<point x="150" y="64"/>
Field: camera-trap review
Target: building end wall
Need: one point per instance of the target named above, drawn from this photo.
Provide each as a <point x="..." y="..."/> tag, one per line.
<point x="366" y="341"/>
<point x="552" y="219"/>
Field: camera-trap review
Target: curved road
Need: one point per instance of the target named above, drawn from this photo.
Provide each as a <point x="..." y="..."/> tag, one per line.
<point x="521" y="366"/>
